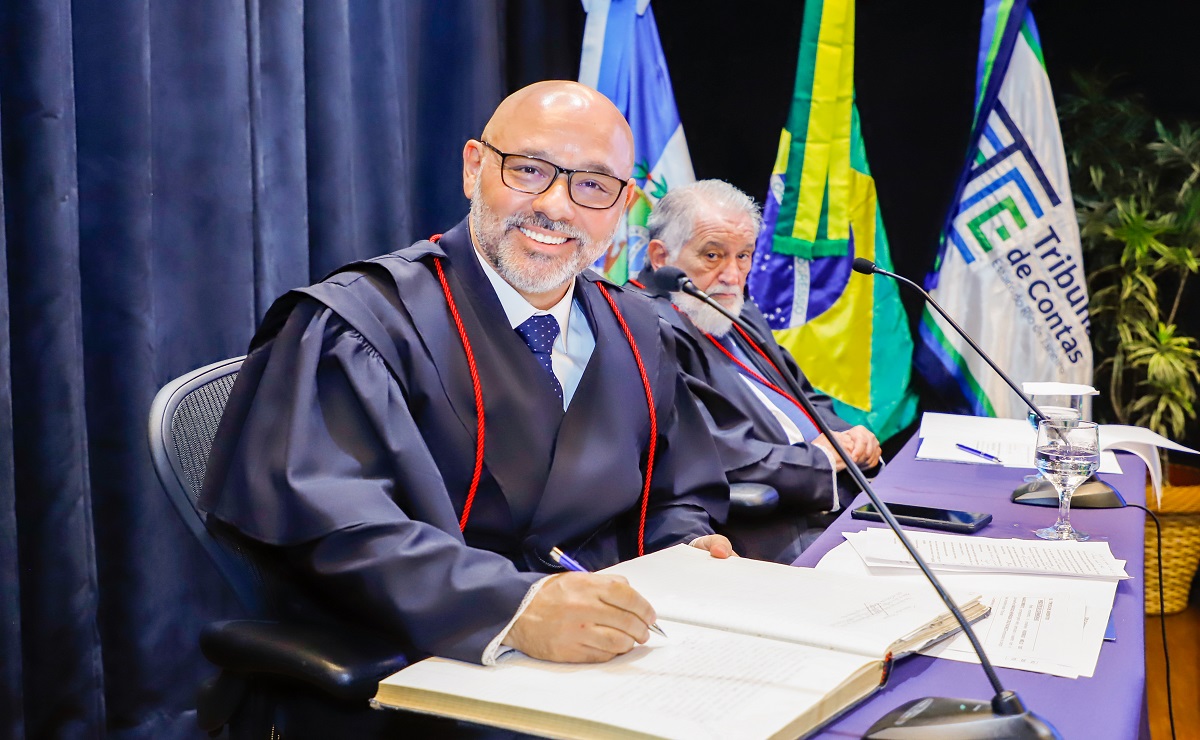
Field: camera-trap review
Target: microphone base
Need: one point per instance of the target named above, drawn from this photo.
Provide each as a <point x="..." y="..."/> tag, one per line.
<point x="962" y="719"/>
<point x="1093" y="493"/>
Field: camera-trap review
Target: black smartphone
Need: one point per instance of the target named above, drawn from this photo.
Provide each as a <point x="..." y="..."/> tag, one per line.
<point x="928" y="517"/>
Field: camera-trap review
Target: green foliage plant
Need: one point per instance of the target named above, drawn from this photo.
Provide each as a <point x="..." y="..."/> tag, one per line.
<point x="1136" y="183"/>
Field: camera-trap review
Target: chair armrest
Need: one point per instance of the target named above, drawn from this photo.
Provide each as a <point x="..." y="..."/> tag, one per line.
<point x="346" y="665"/>
<point x="752" y="498"/>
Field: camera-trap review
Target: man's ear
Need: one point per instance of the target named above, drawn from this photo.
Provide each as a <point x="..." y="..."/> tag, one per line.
<point x="631" y="193"/>
<point x="656" y="252"/>
<point x="472" y="165"/>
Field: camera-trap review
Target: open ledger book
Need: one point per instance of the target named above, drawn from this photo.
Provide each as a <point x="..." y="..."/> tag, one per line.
<point x="755" y="650"/>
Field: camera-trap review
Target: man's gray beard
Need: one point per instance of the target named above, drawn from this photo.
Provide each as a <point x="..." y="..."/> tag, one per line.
<point x="706" y="318"/>
<point x="530" y="272"/>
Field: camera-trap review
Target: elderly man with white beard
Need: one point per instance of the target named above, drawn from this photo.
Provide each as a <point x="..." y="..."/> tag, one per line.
<point x="708" y="229"/>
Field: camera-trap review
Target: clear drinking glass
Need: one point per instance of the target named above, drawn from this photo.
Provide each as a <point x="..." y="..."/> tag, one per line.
<point x="1054" y="412"/>
<point x="1054" y="406"/>
<point x="1068" y="452"/>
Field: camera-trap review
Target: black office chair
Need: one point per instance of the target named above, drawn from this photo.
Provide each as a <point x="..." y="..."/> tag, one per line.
<point x="260" y="659"/>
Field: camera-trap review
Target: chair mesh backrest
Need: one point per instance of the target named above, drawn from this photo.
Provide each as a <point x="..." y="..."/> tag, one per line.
<point x="193" y="427"/>
<point x="180" y="450"/>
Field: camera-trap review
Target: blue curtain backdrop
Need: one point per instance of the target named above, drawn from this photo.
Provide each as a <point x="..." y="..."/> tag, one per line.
<point x="168" y="169"/>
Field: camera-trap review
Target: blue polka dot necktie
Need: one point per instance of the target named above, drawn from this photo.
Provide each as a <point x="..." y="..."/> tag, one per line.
<point x="539" y="332"/>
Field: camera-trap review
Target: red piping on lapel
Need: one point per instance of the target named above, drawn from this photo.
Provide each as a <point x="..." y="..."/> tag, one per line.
<point x="475" y="385"/>
<point x="479" y="413"/>
<point x="758" y="377"/>
<point x="637" y="357"/>
<point x="757" y="349"/>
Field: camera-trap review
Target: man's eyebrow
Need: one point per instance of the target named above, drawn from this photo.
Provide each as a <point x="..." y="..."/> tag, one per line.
<point x="600" y="167"/>
<point x="717" y="244"/>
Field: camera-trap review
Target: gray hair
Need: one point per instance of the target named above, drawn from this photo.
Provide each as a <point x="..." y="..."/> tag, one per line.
<point x="673" y="218"/>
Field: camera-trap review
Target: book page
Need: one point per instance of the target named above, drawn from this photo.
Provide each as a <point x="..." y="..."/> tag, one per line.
<point x="700" y="683"/>
<point x="779" y="601"/>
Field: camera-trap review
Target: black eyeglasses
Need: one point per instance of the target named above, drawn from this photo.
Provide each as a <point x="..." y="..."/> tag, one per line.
<point x="535" y="176"/>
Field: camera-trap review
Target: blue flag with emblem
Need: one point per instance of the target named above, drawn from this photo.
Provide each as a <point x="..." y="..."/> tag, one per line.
<point x="1010" y="268"/>
<point x="623" y="58"/>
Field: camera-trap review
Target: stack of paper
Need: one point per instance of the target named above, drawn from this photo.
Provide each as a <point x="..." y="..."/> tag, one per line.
<point x="1013" y="442"/>
<point x="1050" y="600"/>
<point x="1143" y="443"/>
<point x="957" y="553"/>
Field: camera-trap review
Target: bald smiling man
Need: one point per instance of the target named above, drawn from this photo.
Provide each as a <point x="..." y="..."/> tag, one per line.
<point x="410" y="437"/>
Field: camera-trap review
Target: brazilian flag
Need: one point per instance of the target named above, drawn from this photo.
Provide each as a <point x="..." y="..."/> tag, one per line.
<point x="848" y="332"/>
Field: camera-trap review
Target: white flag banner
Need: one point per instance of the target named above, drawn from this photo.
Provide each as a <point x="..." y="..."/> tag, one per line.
<point x="1010" y="270"/>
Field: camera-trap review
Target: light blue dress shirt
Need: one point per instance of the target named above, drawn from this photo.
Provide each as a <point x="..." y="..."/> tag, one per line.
<point x="573" y="347"/>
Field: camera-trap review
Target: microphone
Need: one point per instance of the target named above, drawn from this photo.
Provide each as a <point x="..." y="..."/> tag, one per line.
<point x="865" y="266"/>
<point x="921" y="718"/>
<point x="1092" y="494"/>
<point x="671" y="279"/>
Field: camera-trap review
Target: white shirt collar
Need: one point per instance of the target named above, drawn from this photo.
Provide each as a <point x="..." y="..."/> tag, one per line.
<point x="517" y="309"/>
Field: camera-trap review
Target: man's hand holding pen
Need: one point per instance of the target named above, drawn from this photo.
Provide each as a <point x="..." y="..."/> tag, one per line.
<point x="582" y="618"/>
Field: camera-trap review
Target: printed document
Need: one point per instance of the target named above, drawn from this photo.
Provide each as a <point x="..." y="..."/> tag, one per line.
<point x="953" y="552"/>
<point x="1042" y="623"/>
<point x="1013" y="441"/>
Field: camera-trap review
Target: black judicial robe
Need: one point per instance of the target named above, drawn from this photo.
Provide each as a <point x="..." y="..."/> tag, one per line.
<point x="752" y="444"/>
<point x="348" y="446"/>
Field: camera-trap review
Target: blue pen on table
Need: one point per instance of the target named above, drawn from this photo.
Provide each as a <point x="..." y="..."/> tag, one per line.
<point x="569" y="563"/>
<point x="979" y="453"/>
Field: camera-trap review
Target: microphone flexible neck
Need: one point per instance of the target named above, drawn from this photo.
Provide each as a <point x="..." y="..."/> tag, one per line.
<point x="967" y="337"/>
<point x="1005" y="702"/>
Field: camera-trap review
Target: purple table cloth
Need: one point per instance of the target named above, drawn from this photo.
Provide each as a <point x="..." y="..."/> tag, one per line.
<point x="1108" y="705"/>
